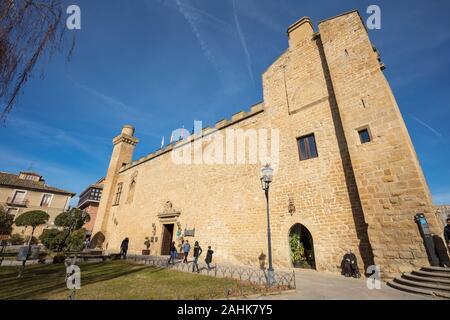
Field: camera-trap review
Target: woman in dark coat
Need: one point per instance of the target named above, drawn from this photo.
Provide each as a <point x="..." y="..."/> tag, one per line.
<point x="124" y="248"/>
<point x="208" y="258"/>
<point x="173" y="253"/>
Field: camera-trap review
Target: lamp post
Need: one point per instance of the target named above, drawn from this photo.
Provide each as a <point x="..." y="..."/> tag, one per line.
<point x="266" y="179"/>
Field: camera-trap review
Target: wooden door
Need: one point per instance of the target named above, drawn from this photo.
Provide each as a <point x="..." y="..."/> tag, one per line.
<point x="167" y="239"/>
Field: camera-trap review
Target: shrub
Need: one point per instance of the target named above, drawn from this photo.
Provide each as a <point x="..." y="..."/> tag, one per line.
<point x="33" y="240"/>
<point x="297" y="249"/>
<point x="75" y="242"/>
<point x="59" y="259"/>
<point x="74" y="218"/>
<point x="56" y="240"/>
<point x="16" y="239"/>
<point x="52" y="239"/>
<point x="6" y="222"/>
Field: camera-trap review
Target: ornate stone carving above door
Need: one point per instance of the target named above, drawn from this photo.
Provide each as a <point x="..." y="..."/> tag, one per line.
<point x="169" y="211"/>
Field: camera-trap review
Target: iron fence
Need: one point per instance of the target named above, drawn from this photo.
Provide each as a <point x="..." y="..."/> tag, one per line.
<point x="255" y="276"/>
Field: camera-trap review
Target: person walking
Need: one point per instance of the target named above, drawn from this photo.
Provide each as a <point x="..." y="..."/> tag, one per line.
<point x="87" y="243"/>
<point x="124" y="248"/>
<point x="173" y="253"/>
<point x="186" y="248"/>
<point x="197" y="252"/>
<point x="208" y="258"/>
<point x="447" y="234"/>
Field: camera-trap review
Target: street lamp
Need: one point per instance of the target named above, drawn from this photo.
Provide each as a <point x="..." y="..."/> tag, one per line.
<point x="266" y="179"/>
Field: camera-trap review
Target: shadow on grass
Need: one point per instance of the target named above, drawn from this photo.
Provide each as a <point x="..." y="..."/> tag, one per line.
<point x="39" y="281"/>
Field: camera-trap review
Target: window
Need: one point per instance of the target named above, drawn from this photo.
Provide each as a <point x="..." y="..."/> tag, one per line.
<point x="364" y="136"/>
<point x="19" y="197"/>
<point x="118" y="193"/>
<point x="95" y="194"/>
<point x="46" y="198"/>
<point x="307" y="148"/>
<point x="131" y="191"/>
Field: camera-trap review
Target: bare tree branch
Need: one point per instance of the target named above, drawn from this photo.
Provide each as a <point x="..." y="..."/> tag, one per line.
<point x="29" y="30"/>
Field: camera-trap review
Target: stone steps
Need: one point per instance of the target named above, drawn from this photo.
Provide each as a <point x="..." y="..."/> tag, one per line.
<point x="431" y="281"/>
<point x="423" y="285"/>
<point x="432" y="274"/>
<point x="415" y="290"/>
<point x="436" y="269"/>
<point x="410" y="276"/>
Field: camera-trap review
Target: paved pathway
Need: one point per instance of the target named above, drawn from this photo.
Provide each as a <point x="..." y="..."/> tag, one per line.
<point x="313" y="285"/>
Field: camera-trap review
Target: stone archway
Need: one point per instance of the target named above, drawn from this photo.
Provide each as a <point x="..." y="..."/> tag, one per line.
<point x="97" y="241"/>
<point x="301" y="246"/>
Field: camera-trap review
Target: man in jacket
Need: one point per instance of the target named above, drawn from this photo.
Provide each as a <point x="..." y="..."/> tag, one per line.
<point x="124" y="248"/>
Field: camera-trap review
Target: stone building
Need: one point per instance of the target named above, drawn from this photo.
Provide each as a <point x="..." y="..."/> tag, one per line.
<point x="27" y="191"/>
<point x="347" y="175"/>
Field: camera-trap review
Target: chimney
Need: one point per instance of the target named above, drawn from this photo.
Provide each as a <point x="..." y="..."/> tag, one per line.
<point x="299" y="31"/>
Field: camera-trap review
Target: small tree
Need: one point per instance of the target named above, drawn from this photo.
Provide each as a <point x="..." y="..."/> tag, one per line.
<point x="71" y="221"/>
<point x="52" y="239"/>
<point x="31" y="219"/>
<point x="16" y="239"/>
<point x="6" y="222"/>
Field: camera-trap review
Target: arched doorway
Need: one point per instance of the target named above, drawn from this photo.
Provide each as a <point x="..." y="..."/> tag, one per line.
<point x="97" y="241"/>
<point x="301" y="247"/>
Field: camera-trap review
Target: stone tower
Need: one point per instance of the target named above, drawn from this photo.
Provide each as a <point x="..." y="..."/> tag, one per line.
<point x="122" y="154"/>
<point x="390" y="181"/>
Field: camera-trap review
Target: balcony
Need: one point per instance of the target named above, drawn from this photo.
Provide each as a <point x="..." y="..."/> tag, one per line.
<point x="17" y="202"/>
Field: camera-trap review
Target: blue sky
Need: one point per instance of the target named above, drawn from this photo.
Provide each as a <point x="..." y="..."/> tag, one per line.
<point x="159" y="65"/>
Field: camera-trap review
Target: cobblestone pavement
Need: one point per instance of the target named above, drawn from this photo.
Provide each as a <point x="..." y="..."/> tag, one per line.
<point x="313" y="285"/>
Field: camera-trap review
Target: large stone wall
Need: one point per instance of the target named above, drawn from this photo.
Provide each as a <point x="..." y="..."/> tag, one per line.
<point x="390" y="181"/>
<point x="352" y="196"/>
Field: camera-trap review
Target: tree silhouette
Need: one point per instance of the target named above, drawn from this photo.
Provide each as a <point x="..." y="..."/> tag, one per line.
<point x="29" y="30"/>
<point x="6" y="222"/>
<point x="31" y="219"/>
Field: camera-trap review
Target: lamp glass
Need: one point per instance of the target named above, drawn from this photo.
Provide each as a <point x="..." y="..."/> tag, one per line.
<point x="267" y="173"/>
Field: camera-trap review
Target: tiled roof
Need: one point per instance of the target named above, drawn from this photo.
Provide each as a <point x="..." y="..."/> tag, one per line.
<point x="12" y="180"/>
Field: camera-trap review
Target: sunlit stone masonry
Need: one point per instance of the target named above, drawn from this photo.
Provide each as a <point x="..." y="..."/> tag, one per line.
<point x="347" y="175"/>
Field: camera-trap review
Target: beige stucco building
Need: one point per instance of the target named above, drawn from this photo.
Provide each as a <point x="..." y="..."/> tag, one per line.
<point x="347" y="175"/>
<point x="27" y="191"/>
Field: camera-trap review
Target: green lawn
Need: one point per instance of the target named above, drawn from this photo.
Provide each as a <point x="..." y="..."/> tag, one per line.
<point x="117" y="280"/>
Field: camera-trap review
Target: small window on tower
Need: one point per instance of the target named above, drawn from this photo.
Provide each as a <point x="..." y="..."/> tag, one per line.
<point x="307" y="148"/>
<point x="364" y="136"/>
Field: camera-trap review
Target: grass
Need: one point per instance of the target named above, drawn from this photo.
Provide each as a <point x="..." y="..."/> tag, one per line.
<point x="117" y="280"/>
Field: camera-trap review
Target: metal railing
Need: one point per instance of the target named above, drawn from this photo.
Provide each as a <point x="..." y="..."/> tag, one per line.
<point x="17" y="202"/>
<point x="257" y="276"/>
